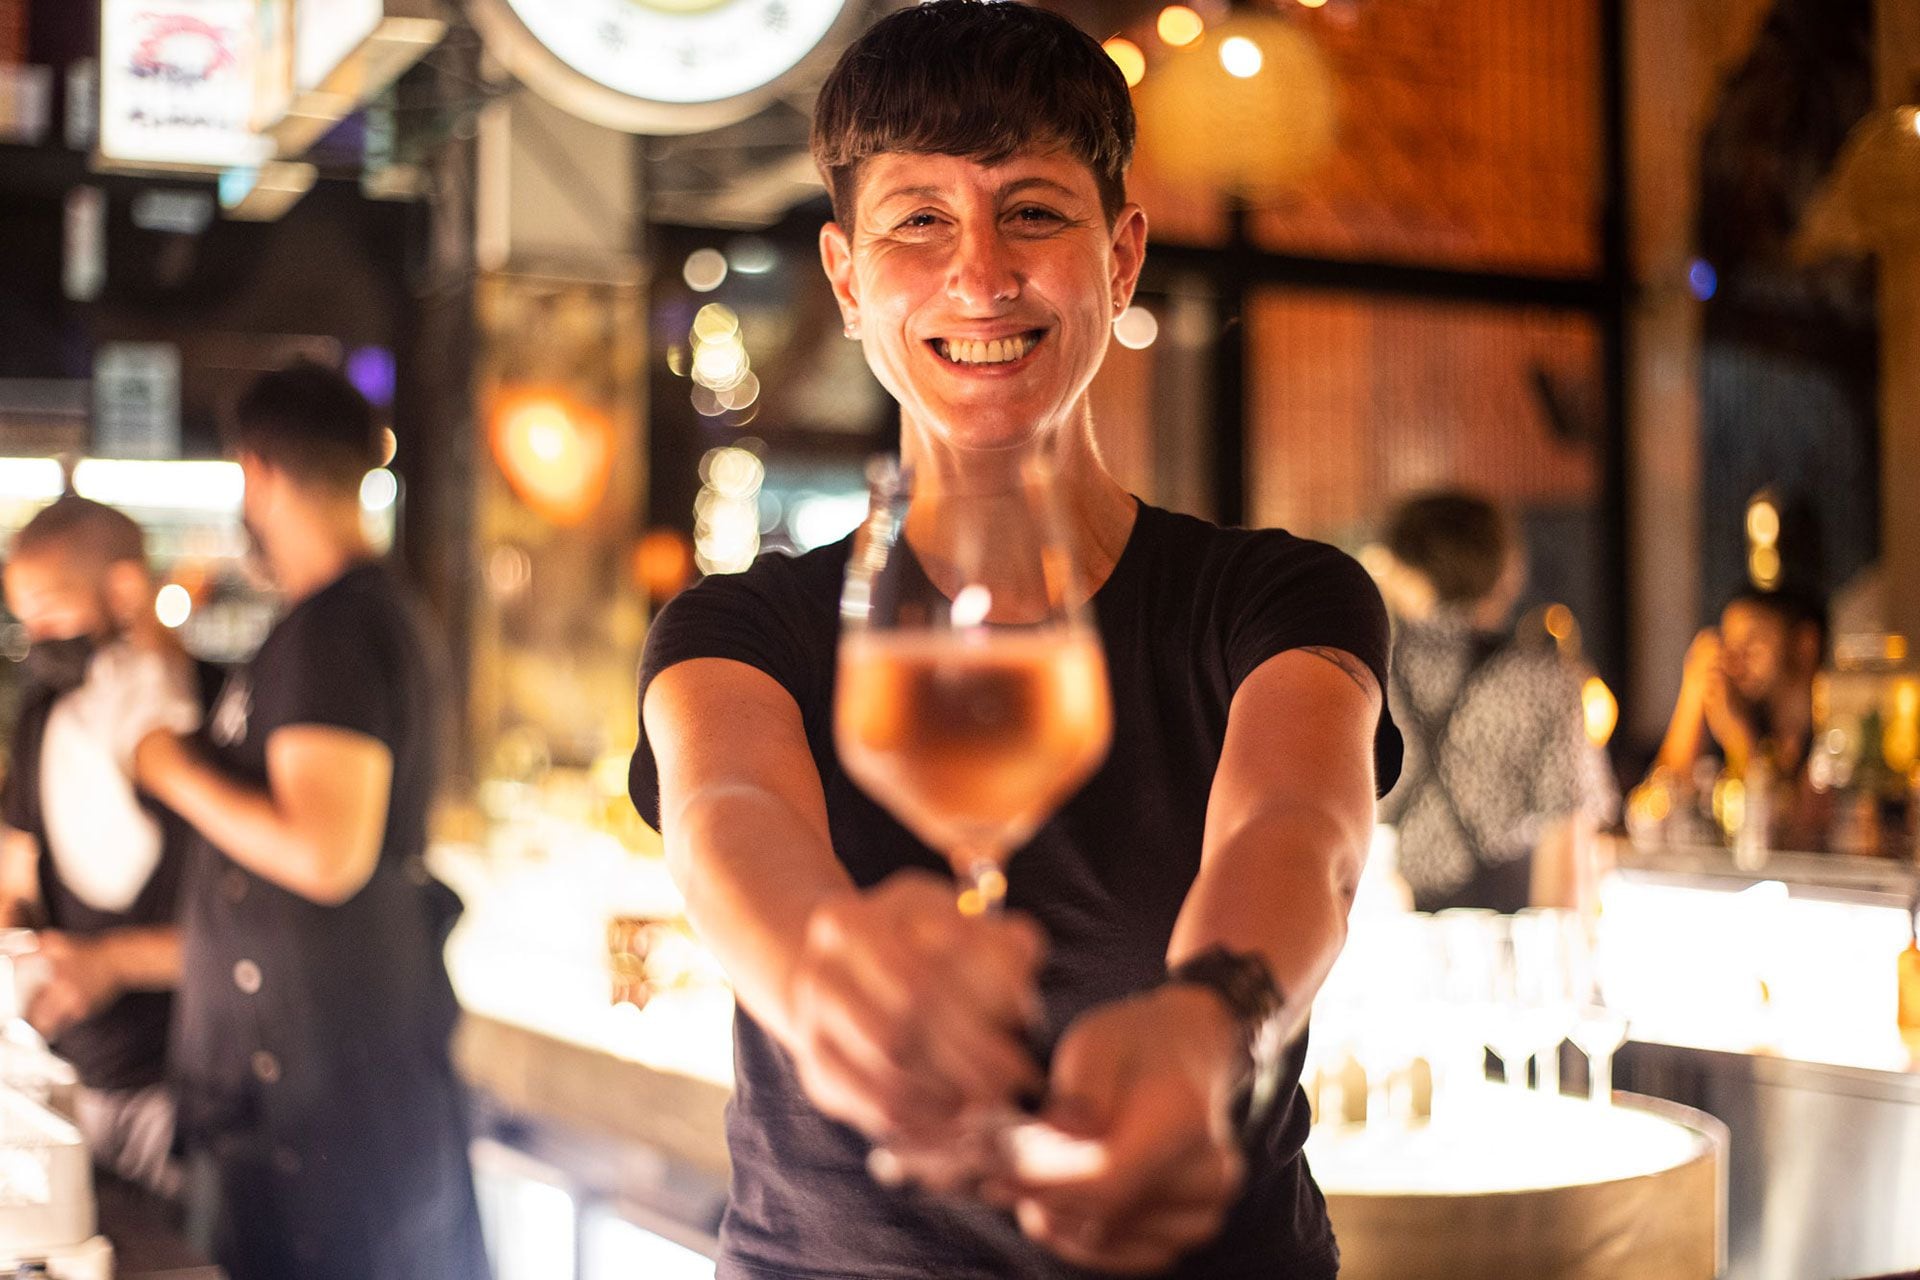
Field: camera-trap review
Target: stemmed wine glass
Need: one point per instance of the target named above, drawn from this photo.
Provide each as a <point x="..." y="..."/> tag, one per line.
<point x="972" y="696"/>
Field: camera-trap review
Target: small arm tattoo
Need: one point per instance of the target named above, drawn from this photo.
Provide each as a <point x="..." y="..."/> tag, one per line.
<point x="1356" y="670"/>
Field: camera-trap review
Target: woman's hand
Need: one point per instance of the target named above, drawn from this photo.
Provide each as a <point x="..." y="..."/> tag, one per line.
<point x="1148" y="1083"/>
<point x="907" y="1015"/>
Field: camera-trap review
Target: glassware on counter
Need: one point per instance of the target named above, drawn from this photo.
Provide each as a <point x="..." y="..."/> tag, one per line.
<point x="1598" y="1032"/>
<point x="1865" y="759"/>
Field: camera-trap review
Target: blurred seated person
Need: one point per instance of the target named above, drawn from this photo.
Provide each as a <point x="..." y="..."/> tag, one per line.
<point x="86" y="857"/>
<point x="1501" y="791"/>
<point x="1746" y="696"/>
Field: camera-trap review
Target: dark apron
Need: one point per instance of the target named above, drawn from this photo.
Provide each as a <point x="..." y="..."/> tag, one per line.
<point x="1501" y="884"/>
<point x="316" y="1089"/>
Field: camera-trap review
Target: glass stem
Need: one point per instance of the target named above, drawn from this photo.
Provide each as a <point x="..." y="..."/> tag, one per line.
<point x="983" y="889"/>
<point x="1547" y="1071"/>
<point x="1600" y="1069"/>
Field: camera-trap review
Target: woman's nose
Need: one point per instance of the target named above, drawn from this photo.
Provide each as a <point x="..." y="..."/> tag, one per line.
<point x="984" y="276"/>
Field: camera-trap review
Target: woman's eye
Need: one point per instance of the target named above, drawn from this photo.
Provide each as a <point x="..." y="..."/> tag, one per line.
<point x="918" y="222"/>
<point x="1034" y="215"/>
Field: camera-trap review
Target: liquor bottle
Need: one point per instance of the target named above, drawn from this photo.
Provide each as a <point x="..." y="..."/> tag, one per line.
<point x="1910" y="982"/>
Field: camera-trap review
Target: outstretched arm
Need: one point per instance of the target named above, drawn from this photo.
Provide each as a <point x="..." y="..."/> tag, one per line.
<point x="1151" y="1078"/>
<point x="897" y="1010"/>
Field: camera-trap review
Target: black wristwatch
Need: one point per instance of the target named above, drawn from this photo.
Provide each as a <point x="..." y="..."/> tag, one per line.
<point x="1244" y="983"/>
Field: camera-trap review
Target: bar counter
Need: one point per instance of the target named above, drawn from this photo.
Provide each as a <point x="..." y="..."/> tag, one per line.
<point x="1765" y="996"/>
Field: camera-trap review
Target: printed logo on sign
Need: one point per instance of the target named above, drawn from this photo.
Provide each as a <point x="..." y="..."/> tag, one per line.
<point x="229" y="723"/>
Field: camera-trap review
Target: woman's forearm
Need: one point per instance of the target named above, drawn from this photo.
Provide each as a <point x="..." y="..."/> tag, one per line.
<point x="728" y="848"/>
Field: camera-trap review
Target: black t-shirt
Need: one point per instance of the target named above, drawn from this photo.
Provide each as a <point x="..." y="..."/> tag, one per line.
<point x="1188" y="613"/>
<point x="314" y="1038"/>
<point x="124" y="1046"/>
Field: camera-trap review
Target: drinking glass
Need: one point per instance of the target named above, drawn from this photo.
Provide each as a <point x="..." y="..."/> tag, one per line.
<point x="1469" y="939"/>
<point x="1548" y="948"/>
<point x="1598" y="1033"/>
<point x="972" y="695"/>
<point x="1509" y="1030"/>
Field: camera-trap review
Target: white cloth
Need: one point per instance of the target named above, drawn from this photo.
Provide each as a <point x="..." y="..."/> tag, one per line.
<point x="103" y="841"/>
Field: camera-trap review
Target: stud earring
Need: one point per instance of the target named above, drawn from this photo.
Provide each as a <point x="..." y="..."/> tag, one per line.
<point x="850" y="329"/>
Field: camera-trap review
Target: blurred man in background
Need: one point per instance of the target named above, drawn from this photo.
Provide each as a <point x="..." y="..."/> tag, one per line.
<point x="86" y="858"/>
<point x="311" y="1045"/>
<point x="1502" y="790"/>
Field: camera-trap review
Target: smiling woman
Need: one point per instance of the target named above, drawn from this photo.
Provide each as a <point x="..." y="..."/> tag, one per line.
<point x="1168" y="926"/>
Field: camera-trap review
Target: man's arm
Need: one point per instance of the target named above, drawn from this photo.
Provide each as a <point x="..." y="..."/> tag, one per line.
<point x="316" y="828"/>
<point x="86" y="974"/>
<point x="896" y="1009"/>
<point x="1151" y="1078"/>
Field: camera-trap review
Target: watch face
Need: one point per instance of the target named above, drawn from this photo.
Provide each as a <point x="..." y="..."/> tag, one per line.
<point x="679" y="51"/>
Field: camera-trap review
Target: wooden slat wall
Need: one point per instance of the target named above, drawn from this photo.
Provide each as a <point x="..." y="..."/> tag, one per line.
<point x="1354" y="402"/>
<point x="1470" y="138"/>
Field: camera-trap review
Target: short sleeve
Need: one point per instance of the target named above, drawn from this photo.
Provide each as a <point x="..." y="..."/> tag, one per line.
<point x="331" y="669"/>
<point x="1288" y="593"/>
<point x="763" y="618"/>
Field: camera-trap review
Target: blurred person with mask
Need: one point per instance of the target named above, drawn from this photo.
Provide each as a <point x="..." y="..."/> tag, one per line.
<point x="1502" y="791"/>
<point x="87" y="858"/>
<point x="318" y="1100"/>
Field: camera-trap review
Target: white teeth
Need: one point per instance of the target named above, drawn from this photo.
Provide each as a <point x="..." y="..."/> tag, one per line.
<point x="998" y="351"/>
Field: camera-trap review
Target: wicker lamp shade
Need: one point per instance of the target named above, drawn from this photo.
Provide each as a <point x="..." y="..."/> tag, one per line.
<point x="1251" y="108"/>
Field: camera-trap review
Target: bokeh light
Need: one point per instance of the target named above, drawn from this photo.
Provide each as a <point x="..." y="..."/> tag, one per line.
<point x="1241" y="57"/>
<point x="705" y="270"/>
<point x="379" y="490"/>
<point x="173" y="606"/>
<point x="1136" y="328"/>
<point x="1127" y="56"/>
<point x="1179" y="26"/>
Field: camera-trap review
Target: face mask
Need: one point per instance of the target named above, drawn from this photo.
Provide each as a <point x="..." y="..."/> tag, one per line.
<point x="60" y="665"/>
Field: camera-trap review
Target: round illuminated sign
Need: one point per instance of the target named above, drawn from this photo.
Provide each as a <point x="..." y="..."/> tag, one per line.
<point x="658" y="66"/>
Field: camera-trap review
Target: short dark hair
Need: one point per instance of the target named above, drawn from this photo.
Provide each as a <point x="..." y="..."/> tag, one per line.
<point x="1459" y="541"/>
<point x="1794" y="608"/>
<point x="976" y="78"/>
<point x="79" y="525"/>
<point x="310" y="422"/>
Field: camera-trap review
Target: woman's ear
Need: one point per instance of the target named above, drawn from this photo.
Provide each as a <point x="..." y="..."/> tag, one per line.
<point x="1129" y="254"/>
<point x="836" y="258"/>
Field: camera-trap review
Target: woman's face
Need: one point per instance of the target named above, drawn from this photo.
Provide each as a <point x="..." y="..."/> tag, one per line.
<point x="983" y="294"/>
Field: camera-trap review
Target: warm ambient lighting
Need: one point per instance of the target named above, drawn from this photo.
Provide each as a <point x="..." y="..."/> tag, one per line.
<point x="1241" y="57"/>
<point x="1602" y="710"/>
<point x="1313" y="4"/>
<point x="1136" y="328"/>
<point x="1127" y="56"/>
<point x="160" y="485"/>
<point x="705" y="270"/>
<point x="379" y="490"/>
<point x="1180" y="26"/>
<point x="173" y="606"/>
<point x="556" y="454"/>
